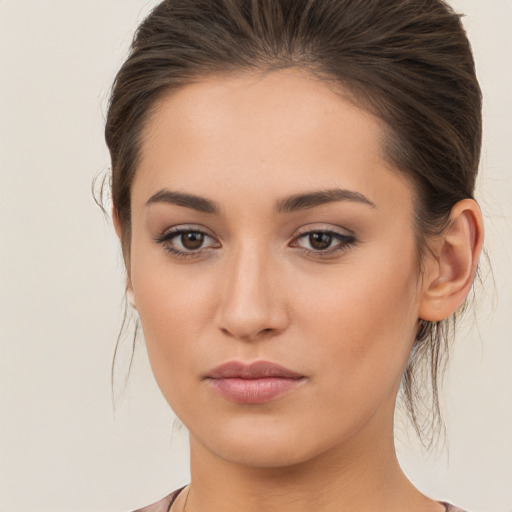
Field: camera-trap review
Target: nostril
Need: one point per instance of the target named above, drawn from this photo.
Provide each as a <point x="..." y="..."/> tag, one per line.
<point x="263" y="333"/>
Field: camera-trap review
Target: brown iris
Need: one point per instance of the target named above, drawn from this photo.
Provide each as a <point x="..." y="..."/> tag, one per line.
<point x="192" y="240"/>
<point x="320" y="240"/>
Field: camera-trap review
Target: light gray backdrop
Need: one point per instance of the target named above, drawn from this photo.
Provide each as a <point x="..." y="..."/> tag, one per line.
<point x="62" y="449"/>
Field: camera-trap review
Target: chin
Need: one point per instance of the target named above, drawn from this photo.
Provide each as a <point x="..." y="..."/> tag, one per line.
<point x="263" y="454"/>
<point x="267" y="445"/>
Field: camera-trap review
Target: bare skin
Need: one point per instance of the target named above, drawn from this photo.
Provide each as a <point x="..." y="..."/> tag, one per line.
<point x="244" y="271"/>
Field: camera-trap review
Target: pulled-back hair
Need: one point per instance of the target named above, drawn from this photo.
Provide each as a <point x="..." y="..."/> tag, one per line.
<point x="408" y="62"/>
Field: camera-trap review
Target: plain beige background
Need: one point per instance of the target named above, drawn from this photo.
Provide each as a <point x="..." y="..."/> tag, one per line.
<point x="62" y="448"/>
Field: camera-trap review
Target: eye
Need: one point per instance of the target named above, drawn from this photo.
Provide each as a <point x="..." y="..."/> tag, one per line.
<point x="323" y="242"/>
<point x="185" y="242"/>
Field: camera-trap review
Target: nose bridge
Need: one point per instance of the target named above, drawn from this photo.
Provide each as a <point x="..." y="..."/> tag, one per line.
<point x="252" y="300"/>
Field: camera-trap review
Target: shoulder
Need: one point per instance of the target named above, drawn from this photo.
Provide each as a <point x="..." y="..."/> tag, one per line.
<point x="162" y="505"/>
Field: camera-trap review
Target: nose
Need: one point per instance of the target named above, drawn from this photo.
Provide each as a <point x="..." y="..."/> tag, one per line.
<point x="252" y="302"/>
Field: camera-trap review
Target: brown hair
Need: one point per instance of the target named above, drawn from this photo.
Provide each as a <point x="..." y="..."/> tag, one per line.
<point x="407" y="61"/>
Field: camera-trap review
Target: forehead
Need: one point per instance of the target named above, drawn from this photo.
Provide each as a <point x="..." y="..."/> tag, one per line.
<point x="282" y="131"/>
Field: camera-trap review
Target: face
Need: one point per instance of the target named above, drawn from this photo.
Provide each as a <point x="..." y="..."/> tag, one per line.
<point x="273" y="265"/>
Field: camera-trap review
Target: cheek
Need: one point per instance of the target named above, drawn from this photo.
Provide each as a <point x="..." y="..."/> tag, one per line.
<point x="174" y="312"/>
<point x="170" y="298"/>
<point x="365" y="318"/>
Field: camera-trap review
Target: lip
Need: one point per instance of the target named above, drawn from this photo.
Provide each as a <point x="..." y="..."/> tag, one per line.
<point x="257" y="382"/>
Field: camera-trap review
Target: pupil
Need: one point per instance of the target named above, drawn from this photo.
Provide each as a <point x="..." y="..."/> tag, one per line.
<point x="320" y="240"/>
<point x="192" y="240"/>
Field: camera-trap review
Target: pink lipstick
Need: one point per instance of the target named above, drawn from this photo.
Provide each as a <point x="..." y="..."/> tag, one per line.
<point x="253" y="383"/>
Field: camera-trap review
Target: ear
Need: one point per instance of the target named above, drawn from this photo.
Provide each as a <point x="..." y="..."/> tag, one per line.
<point x="129" y="288"/>
<point x="451" y="270"/>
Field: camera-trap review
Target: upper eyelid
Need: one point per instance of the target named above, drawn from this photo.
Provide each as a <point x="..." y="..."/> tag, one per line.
<point x="184" y="228"/>
<point x="324" y="228"/>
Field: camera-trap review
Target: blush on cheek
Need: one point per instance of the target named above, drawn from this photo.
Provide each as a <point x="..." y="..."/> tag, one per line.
<point x="374" y="314"/>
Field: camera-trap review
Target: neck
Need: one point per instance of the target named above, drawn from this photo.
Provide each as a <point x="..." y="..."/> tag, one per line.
<point x="360" y="474"/>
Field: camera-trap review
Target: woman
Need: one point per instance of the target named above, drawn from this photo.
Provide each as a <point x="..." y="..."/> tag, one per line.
<point x="292" y="187"/>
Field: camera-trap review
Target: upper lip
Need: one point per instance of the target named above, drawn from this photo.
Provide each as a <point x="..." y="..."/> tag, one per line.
<point x="252" y="370"/>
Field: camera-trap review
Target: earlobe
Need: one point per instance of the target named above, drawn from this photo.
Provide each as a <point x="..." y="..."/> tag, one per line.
<point x="451" y="273"/>
<point x="130" y="295"/>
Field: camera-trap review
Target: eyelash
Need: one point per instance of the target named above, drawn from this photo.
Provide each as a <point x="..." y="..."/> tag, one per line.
<point x="167" y="237"/>
<point x="344" y="242"/>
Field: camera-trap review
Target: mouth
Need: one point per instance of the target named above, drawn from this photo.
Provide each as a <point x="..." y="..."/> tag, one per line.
<point x="258" y="382"/>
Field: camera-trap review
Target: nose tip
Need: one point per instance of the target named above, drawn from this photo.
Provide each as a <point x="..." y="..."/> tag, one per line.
<point x="245" y="327"/>
<point x="252" y="303"/>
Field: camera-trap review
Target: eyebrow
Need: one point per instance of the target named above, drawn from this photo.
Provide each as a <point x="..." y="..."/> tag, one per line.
<point x="187" y="200"/>
<point x="313" y="199"/>
<point x="290" y="204"/>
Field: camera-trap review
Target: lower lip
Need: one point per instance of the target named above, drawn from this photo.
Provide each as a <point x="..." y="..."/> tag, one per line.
<point x="254" y="391"/>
